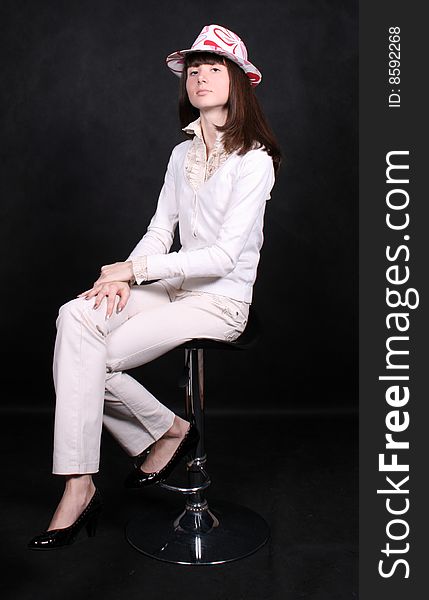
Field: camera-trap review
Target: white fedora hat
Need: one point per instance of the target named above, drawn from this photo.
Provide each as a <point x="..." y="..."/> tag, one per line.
<point x="220" y="40"/>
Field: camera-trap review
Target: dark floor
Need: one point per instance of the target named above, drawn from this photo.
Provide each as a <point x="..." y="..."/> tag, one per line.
<point x="298" y="472"/>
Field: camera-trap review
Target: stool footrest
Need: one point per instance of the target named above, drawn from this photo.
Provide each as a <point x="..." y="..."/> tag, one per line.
<point x="184" y="490"/>
<point x="189" y="490"/>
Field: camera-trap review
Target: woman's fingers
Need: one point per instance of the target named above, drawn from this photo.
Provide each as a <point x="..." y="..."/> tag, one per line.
<point x="110" y="303"/>
<point x="124" y="295"/>
<point x="89" y="293"/>
<point x="109" y="291"/>
<point x="103" y="291"/>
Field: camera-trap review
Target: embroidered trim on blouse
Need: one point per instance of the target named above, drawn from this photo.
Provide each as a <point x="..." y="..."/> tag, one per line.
<point x="140" y="268"/>
<point x="198" y="167"/>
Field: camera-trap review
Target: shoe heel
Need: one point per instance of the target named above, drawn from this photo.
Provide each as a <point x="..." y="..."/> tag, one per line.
<point x="91" y="526"/>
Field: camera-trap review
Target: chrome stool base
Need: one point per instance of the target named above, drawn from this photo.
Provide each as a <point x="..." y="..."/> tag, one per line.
<point x="199" y="536"/>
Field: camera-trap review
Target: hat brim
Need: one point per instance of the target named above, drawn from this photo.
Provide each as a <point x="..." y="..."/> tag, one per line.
<point x="175" y="62"/>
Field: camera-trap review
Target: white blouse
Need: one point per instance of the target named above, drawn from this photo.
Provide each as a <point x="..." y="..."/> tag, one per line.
<point x="218" y="202"/>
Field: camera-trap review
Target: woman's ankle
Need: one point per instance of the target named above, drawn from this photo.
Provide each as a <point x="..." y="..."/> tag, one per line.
<point x="178" y="429"/>
<point x="79" y="484"/>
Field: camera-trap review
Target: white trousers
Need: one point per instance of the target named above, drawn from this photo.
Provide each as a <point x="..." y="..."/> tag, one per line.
<point x="91" y="354"/>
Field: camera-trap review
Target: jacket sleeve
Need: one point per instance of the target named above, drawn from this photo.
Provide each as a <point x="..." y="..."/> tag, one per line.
<point x="160" y="232"/>
<point x="252" y="188"/>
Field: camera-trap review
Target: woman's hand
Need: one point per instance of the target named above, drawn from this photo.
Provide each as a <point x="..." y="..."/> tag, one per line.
<point x="109" y="290"/>
<point x="119" y="271"/>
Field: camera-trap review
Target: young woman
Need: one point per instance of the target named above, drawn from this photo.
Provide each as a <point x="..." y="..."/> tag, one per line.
<point x="215" y="188"/>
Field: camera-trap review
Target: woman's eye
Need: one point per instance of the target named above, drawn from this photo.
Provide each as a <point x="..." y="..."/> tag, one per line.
<point x="196" y="72"/>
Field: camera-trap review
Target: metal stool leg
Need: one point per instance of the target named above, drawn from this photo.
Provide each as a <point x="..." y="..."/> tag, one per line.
<point x="199" y="535"/>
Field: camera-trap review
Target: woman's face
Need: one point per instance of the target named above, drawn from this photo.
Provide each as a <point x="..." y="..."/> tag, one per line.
<point x="208" y="86"/>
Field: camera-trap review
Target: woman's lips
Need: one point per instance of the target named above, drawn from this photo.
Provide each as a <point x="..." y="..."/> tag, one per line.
<point x="201" y="92"/>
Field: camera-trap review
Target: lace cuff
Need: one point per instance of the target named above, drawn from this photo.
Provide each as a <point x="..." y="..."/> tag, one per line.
<point x="139" y="269"/>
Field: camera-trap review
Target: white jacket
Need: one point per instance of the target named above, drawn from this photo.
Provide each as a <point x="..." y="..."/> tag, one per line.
<point x="220" y="225"/>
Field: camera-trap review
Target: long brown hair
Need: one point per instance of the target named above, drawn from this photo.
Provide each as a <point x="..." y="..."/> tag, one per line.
<point x="246" y="126"/>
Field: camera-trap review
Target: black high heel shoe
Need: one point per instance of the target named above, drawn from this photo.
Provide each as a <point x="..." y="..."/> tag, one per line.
<point x="57" y="538"/>
<point x="138" y="478"/>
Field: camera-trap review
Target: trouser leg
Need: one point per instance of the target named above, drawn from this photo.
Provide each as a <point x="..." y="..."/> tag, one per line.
<point x="127" y="429"/>
<point x="79" y="371"/>
<point x="132" y="415"/>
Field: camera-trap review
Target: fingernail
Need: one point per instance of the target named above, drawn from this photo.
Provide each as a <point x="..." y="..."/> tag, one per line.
<point x="107" y="317"/>
<point x="119" y="309"/>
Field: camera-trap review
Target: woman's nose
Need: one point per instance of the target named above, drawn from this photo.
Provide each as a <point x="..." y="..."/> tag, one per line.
<point x="201" y="78"/>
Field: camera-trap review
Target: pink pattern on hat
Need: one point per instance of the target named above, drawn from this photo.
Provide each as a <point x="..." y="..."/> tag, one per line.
<point x="212" y="44"/>
<point x="220" y="40"/>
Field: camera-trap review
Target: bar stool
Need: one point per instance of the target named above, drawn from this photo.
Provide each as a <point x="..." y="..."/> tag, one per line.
<point x="200" y="534"/>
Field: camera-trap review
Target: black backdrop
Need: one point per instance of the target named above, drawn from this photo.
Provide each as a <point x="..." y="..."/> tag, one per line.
<point x="88" y="120"/>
